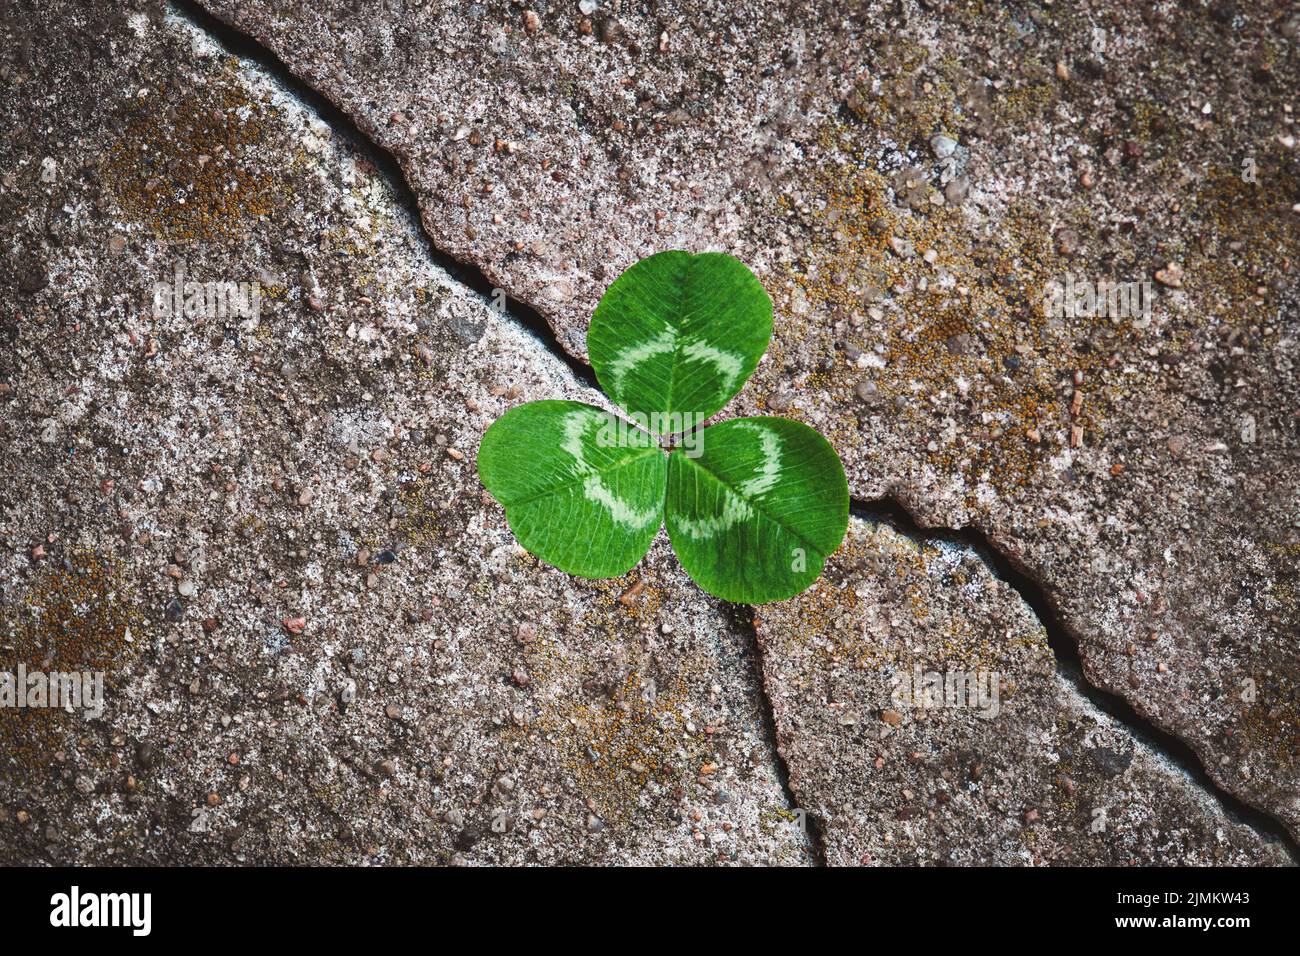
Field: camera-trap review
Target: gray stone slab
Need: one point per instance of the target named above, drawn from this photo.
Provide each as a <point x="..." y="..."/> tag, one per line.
<point x="920" y="711"/>
<point x="908" y="181"/>
<point x="322" y="643"/>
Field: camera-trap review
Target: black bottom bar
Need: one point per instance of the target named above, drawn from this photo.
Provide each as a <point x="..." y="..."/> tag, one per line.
<point x="304" y="905"/>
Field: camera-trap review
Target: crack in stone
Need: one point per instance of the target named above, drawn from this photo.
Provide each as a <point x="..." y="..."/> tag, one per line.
<point x="1069" y="663"/>
<point x="388" y="166"/>
<point x="1064" y="644"/>
<point x="742" y="617"/>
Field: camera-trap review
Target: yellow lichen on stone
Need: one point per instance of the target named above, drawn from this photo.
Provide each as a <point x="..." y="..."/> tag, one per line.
<point x="189" y="168"/>
<point x="79" y="616"/>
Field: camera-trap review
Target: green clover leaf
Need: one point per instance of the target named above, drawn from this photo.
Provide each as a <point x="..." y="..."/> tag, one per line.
<point x="580" y="492"/>
<point x="677" y="335"/>
<point x="753" y="506"/>
<point x="754" y="517"/>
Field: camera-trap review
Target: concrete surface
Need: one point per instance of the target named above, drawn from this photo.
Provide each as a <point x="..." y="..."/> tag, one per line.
<point x="323" y="644"/>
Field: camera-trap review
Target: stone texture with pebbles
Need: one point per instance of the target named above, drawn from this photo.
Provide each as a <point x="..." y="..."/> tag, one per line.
<point x="908" y="180"/>
<point x="1031" y="773"/>
<point x="322" y="643"/>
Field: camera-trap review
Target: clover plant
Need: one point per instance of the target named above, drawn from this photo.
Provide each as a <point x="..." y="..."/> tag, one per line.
<point x="754" y="506"/>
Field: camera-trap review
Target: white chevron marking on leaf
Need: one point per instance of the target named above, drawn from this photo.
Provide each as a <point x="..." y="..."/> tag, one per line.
<point x="576" y="424"/>
<point x="770" y="471"/>
<point x="622" y="513"/>
<point x="729" y="365"/>
<point x="575" y="427"/>
<point x="734" y="510"/>
<point x="662" y="343"/>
